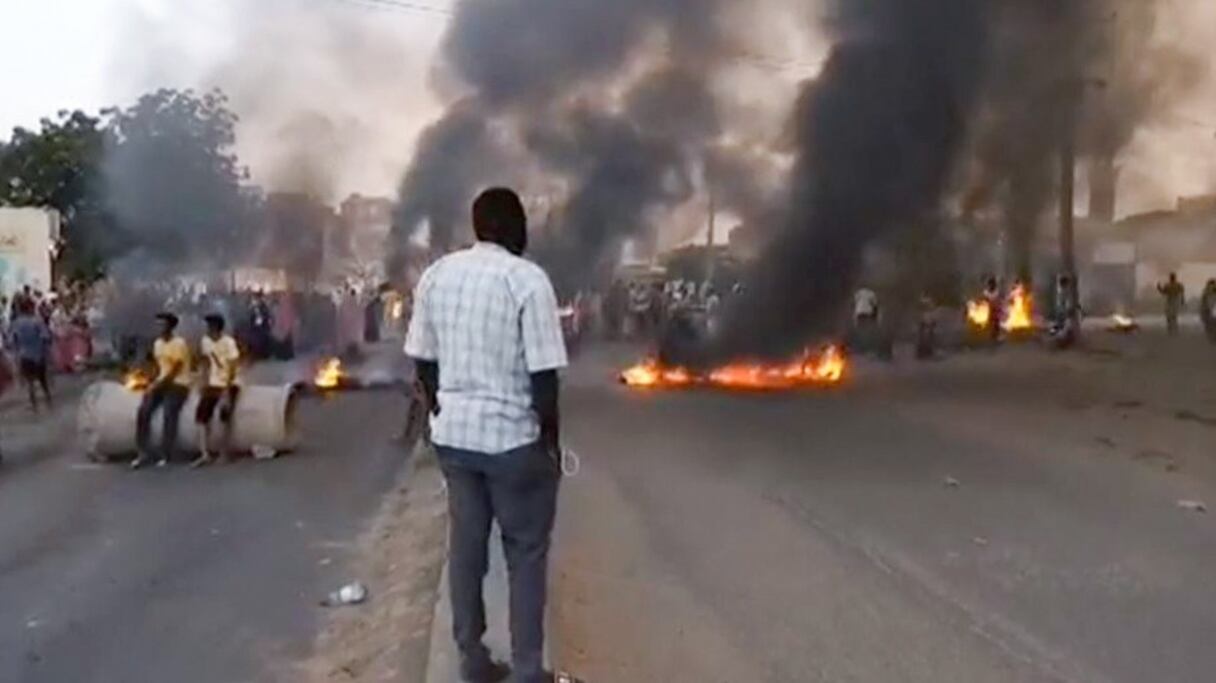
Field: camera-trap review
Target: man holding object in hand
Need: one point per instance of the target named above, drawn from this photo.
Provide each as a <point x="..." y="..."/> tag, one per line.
<point x="488" y="345"/>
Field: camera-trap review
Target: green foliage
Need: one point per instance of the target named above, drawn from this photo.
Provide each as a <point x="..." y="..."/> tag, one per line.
<point x="159" y="176"/>
<point x="173" y="180"/>
<point x="59" y="166"/>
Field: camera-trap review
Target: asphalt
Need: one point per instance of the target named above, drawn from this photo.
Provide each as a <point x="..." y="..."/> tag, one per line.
<point x="894" y="529"/>
<point x="209" y="576"/>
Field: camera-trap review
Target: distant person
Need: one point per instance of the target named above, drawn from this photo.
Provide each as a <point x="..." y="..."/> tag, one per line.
<point x="6" y="377"/>
<point x="167" y="393"/>
<point x="926" y="329"/>
<point x="488" y="346"/>
<point x="1174" y="294"/>
<point x="373" y="313"/>
<point x="221" y="360"/>
<point x="1068" y="305"/>
<point x="640" y="303"/>
<point x="261" y="324"/>
<point x="996" y="308"/>
<point x="865" y="307"/>
<point x="31" y="342"/>
<point x="286" y="321"/>
<point x="1207" y="310"/>
<point x="1066" y="329"/>
<point x="350" y="323"/>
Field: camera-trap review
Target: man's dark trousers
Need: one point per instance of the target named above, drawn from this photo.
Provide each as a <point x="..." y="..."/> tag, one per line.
<point x="170" y="398"/>
<point x="519" y="489"/>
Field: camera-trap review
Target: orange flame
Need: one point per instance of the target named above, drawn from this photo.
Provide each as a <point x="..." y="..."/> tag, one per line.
<point x="1020" y="313"/>
<point x="979" y="313"/>
<point x="136" y="380"/>
<point x="827" y="367"/>
<point x="329" y="375"/>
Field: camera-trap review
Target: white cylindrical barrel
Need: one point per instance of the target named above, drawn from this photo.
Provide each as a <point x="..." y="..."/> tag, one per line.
<point x="264" y="419"/>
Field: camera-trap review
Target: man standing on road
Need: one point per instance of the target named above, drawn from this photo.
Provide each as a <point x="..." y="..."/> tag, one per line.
<point x="488" y="345"/>
<point x="1207" y="310"/>
<point x="168" y="393"/>
<point x="221" y="389"/>
<point x="1175" y="299"/>
<point x="32" y="345"/>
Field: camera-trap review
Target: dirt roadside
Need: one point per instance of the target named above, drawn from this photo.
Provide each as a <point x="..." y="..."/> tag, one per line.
<point x="400" y="559"/>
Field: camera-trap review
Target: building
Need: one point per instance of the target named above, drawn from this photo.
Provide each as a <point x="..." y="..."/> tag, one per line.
<point x="28" y="240"/>
<point x="1142" y="250"/>
<point x="356" y="244"/>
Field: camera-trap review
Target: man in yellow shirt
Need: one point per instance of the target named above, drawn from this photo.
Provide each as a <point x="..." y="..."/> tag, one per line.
<point x="168" y="393"/>
<point x="221" y="388"/>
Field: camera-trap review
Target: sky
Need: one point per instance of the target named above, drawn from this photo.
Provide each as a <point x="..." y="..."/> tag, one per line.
<point x="40" y="75"/>
<point x="89" y="62"/>
<point x="349" y="76"/>
<point x="279" y="60"/>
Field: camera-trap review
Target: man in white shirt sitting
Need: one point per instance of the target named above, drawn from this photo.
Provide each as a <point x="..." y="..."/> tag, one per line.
<point x="221" y="389"/>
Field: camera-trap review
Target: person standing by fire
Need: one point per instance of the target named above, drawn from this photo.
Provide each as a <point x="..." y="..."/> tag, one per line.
<point x="167" y="394"/>
<point x="221" y="389"/>
<point x="488" y="346"/>
<point x="1175" y="299"/>
<point x="996" y="308"/>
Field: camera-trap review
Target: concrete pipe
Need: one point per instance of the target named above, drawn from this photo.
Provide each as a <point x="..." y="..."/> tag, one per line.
<point x="264" y="419"/>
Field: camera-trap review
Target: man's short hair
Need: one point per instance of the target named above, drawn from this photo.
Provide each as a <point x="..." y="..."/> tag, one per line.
<point x="496" y="212"/>
<point x="169" y="318"/>
<point x="214" y="321"/>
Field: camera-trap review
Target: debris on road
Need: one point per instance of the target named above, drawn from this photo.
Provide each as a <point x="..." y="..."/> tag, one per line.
<point x="1188" y="416"/>
<point x="350" y="594"/>
<point x="1192" y="506"/>
<point x="980" y="541"/>
<point x="951" y="483"/>
<point x="263" y="452"/>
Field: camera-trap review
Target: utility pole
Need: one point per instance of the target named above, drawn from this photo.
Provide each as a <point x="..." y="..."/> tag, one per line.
<point x="712" y="260"/>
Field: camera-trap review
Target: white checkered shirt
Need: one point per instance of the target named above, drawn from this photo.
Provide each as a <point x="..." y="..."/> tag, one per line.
<point x="490" y="319"/>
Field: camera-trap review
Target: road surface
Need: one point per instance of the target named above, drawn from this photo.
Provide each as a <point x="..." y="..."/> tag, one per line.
<point x="995" y="517"/>
<point x="209" y="576"/>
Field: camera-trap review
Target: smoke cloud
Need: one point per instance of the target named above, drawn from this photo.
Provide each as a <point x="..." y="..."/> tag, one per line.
<point x="330" y="95"/>
<point x="877" y="135"/>
<point x="610" y="111"/>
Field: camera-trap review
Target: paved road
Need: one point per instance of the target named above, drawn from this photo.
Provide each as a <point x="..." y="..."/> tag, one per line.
<point x="811" y="537"/>
<point x="208" y="576"/>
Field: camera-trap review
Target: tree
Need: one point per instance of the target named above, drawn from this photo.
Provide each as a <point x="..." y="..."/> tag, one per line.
<point x="59" y="166"/>
<point x="173" y="180"/>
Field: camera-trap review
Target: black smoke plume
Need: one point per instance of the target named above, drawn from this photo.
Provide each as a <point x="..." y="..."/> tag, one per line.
<point x="878" y="134"/>
<point x="540" y="75"/>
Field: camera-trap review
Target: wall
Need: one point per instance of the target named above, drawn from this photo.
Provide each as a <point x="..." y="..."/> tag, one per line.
<point x="26" y="239"/>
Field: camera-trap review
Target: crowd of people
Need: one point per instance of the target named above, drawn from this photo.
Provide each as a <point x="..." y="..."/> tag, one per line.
<point x="640" y="309"/>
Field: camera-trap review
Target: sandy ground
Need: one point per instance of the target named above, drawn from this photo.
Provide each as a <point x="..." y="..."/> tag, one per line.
<point x="401" y="553"/>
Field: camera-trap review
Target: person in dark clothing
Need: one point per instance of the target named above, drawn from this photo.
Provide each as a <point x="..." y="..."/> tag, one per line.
<point x="996" y="308"/>
<point x="372" y="315"/>
<point x="261" y="324"/>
